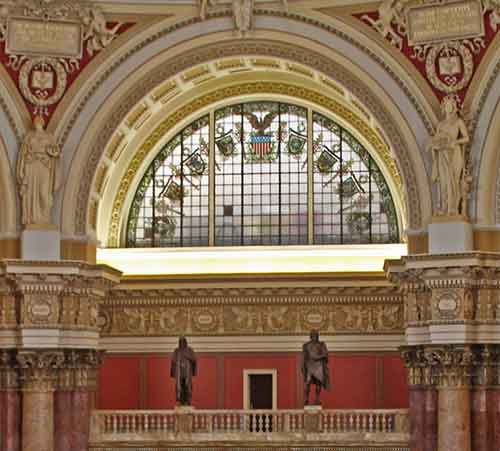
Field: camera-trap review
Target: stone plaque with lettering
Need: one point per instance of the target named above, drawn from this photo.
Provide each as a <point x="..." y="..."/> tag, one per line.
<point x="27" y="36"/>
<point x="444" y="22"/>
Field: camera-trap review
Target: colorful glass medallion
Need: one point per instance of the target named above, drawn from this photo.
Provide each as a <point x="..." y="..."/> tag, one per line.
<point x="261" y="147"/>
<point x="196" y="164"/>
<point x="326" y="161"/>
<point x="296" y="145"/>
<point x="226" y="146"/>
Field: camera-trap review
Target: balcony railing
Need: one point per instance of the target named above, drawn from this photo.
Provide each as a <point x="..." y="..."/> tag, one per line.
<point x="374" y="427"/>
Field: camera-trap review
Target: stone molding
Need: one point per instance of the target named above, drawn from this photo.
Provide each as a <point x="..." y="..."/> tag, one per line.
<point x="49" y="298"/>
<point x="452" y="366"/>
<point x="448" y="289"/>
<point x="47" y="370"/>
<point x="252" y="311"/>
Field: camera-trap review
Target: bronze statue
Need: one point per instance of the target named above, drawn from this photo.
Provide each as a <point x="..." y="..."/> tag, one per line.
<point x="315" y="366"/>
<point x="183" y="368"/>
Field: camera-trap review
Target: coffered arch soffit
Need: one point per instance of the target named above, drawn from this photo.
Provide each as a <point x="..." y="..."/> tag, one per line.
<point x="85" y="138"/>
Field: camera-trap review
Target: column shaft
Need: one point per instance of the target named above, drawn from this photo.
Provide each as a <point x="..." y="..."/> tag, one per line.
<point x="430" y="419"/>
<point x="417" y="417"/>
<point x="38" y="421"/>
<point x="63" y="416"/>
<point x="494" y="418"/>
<point x="454" y="432"/>
<point x="10" y="420"/>
<point x="479" y="420"/>
<point x="81" y="419"/>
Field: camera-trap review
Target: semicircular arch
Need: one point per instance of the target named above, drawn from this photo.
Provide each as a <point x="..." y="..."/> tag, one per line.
<point x="401" y="137"/>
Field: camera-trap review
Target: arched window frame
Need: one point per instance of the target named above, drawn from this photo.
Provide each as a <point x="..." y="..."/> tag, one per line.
<point x="311" y="111"/>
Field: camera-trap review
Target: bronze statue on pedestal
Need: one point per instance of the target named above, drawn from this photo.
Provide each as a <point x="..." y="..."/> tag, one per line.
<point x="315" y="366"/>
<point x="183" y="368"/>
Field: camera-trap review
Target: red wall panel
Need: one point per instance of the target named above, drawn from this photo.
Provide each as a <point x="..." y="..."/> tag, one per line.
<point x="395" y="383"/>
<point x="159" y="386"/>
<point x="353" y="380"/>
<point x="358" y="381"/>
<point x="119" y="383"/>
<point x="286" y="365"/>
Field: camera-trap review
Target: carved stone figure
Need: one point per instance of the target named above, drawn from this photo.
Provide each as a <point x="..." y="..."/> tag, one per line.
<point x="243" y="11"/>
<point x="39" y="174"/>
<point x="389" y="13"/>
<point x="448" y="159"/>
<point x="315" y="366"/>
<point x="183" y="368"/>
<point x="97" y="32"/>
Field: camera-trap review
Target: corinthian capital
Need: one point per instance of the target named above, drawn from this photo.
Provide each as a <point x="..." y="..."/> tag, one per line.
<point x="38" y="369"/>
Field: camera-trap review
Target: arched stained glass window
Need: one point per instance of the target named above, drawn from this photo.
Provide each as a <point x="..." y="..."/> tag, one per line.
<point x="262" y="173"/>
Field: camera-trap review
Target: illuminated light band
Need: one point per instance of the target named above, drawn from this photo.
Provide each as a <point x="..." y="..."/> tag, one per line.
<point x="251" y="260"/>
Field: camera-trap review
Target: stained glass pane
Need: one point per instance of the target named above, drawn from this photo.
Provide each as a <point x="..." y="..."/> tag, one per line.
<point x="352" y="203"/>
<point x="261" y="174"/>
<point x="170" y="208"/>
<point x="260" y="192"/>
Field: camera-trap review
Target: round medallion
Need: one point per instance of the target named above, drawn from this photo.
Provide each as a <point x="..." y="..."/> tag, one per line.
<point x="42" y="81"/>
<point x="449" y="66"/>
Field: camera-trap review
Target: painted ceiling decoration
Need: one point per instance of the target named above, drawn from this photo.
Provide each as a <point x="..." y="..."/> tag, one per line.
<point x="46" y="44"/>
<point x="445" y="41"/>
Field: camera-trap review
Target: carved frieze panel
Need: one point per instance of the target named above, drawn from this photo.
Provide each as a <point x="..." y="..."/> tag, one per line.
<point x="237" y="313"/>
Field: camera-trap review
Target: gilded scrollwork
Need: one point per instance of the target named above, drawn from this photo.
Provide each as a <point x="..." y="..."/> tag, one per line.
<point x="201" y="316"/>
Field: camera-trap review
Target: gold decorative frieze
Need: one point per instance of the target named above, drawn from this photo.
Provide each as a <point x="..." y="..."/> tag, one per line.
<point x="247" y="311"/>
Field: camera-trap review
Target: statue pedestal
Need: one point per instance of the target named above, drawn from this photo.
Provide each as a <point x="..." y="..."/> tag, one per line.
<point x="450" y="235"/>
<point x="312" y="419"/>
<point x="41" y="243"/>
<point x="184" y="419"/>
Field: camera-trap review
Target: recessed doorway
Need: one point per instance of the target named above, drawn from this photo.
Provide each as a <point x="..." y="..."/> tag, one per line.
<point x="260" y="389"/>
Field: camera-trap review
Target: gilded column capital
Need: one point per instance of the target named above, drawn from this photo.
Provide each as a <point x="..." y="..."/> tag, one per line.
<point x="9" y="375"/>
<point x="39" y="369"/>
<point x="79" y="369"/>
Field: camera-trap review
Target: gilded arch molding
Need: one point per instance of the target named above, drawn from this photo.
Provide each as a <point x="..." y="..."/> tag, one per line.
<point x="237" y="91"/>
<point x="288" y="52"/>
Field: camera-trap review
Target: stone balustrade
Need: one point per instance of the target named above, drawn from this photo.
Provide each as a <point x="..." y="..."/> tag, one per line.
<point x="310" y="425"/>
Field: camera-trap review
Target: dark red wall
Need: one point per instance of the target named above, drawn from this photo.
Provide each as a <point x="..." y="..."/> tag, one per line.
<point x="358" y="381"/>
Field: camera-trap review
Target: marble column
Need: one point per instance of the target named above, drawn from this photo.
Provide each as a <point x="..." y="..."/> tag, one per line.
<point x="12" y="420"/>
<point x="494" y="418"/>
<point x="38" y="377"/>
<point x="81" y="419"/>
<point x="454" y="417"/>
<point x="38" y="420"/>
<point x="479" y="419"/>
<point x="417" y="417"/>
<point x="430" y="419"/>
<point x="63" y="415"/>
